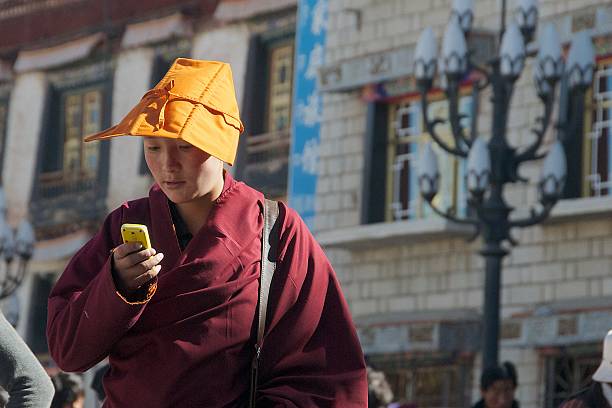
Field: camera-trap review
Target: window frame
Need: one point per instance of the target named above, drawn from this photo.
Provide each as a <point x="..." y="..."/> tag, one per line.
<point x="59" y="208"/>
<point x="379" y="133"/>
<point x="270" y="47"/>
<point x="60" y="174"/>
<point x="4" y="101"/>
<point x="394" y="365"/>
<point x="588" y="141"/>
<point x="583" y="352"/>
<point x="268" y="145"/>
<point x="55" y="122"/>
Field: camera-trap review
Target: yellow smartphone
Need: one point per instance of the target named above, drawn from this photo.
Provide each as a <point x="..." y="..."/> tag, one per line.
<point x="136" y="233"/>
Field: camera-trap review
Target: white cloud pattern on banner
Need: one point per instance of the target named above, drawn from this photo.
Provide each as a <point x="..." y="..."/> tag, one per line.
<point x="301" y="62"/>
<point x="304" y="14"/>
<point x="319" y="22"/>
<point x="309" y="114"/>
<point x="314" y="61"/>
<point x="309" y="159"/>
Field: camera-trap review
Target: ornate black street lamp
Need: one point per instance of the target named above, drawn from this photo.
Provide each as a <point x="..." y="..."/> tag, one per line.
<point x="492" y="162"/>
<point x="13" y="244"/>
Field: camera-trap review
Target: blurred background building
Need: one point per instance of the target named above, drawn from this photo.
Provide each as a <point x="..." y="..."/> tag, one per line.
<point x="333" y="126"/>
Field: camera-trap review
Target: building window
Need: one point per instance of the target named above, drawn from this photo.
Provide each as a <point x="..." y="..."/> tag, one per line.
<point x="70" y="189"/>
<point x="263" y="156"/>
<point x="82" y="116"/>
<point x="406" y="136"/>
<point x="438" y="382"/>
<point x="72" y="160"/>
<point x="598" y="143"/>
<point x="569" y="372"/>
<point x="280" y="74"/>
<point x="4" y="105"/>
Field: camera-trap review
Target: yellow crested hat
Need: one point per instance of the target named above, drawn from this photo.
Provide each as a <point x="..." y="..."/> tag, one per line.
<point x="195" y="101"/>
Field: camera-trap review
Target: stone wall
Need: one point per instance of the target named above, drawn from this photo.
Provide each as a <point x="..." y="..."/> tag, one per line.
<point x="566" y="258"/>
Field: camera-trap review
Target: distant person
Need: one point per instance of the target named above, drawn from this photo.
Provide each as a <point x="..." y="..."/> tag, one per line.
<point x="4" y="397"/>
<point x="379" y="391"/>
<point x="599" y="393"/>
<point x="497" y="387"/>
<point x="96" y="382"/>
<point x="69" y="391"/>
<point x="23" y="380"/>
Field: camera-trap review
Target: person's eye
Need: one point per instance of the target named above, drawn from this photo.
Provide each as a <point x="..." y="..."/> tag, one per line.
<point x="185" y="147"/>
<point x="152" y="148"/>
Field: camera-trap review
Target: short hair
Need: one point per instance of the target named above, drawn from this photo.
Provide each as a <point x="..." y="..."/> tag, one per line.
<point x="68" y="388"/>
<point x="4" y="397"/>
<point x="505" y="371"/>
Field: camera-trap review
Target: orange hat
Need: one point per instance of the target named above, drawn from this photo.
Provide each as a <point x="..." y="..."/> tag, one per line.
<point x="195" y="102"/>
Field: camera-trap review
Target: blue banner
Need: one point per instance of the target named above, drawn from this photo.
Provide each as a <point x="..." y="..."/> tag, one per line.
<point x="306" y="116"/>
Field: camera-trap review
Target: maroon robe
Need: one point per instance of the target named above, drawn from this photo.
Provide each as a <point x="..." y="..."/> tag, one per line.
<point x="192" y="343"/>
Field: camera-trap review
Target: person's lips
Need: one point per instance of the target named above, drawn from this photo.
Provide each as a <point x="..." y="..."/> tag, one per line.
<point x="173" y="184"/>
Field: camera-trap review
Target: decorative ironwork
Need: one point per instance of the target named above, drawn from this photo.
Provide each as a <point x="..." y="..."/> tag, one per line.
<point x="568" y="373"/>
<point x="77" y="76"/>
<point x="406" y="139"/>
<point x="600" y="169"/>
<point x="511" y="330"/>
<point x="68" y="208"/>
<point x="267" y="163"/>
<point x="490" y="214"/>
<point x="428" y="381"/>
<point x="11" y="276"/>
<point x="16" y="248"/>
<point x="70" y="190"/>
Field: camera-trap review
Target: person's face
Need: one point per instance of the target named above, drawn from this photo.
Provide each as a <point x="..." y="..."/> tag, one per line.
<point x="183" y="172"/>
<point x="78" y="403"/>
<point x="499" y="395"/>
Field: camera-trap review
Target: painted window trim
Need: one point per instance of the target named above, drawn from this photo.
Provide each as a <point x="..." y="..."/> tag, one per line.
<point x="4" y="100"/>
<point x="434" y="96"/>
<point x="102" y="76"/>
<point x="587" y="142"/>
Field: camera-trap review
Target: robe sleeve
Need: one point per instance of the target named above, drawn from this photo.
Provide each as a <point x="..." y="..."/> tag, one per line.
<point x="311" y="355"/>
<point x="86" y="314"/>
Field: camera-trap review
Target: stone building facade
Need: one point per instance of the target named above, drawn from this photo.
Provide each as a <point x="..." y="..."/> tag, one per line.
<point x="414" y="283"/>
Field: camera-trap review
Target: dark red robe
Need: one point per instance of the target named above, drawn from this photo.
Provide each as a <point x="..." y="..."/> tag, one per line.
<point x="192" y="343"/>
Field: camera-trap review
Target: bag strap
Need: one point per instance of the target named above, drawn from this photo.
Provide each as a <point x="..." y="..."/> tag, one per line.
<point x="269" y="248"/>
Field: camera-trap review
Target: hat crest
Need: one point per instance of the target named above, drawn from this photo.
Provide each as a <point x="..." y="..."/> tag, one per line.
<point x="195" y="101"/>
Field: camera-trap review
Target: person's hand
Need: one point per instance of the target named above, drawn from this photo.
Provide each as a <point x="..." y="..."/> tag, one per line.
<point x="134" y="266"/>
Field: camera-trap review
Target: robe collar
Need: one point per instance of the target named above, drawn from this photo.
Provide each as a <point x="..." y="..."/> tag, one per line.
<point x="235" y="219"/>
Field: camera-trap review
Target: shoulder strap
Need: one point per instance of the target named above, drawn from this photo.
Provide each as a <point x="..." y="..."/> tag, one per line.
<point x="269" y="248"/>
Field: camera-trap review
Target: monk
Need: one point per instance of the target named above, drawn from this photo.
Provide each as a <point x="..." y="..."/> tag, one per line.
<point x="178" y="321"/>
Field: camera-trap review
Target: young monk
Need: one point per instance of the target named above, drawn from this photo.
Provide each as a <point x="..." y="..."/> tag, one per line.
<point x="178" y="322"/>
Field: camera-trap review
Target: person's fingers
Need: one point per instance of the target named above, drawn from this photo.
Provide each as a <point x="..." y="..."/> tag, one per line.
<point x="125" y="249"/>
<point x="136" y="275"/>
<point x="133" y="258"/>
<point x="152" y="261"/>
<point x="147" y="276"/>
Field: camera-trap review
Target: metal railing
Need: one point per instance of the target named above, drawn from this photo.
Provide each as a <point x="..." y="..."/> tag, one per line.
<point x="267" y="163"/>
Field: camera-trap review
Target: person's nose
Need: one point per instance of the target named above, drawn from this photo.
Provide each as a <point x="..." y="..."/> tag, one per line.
<point x="170" y="160"/>
<point x="505" y="401"/>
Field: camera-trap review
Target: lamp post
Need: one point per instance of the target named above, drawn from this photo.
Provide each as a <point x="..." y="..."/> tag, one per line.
<point x="493" y="163"/>
<point x="13" y="244"/>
